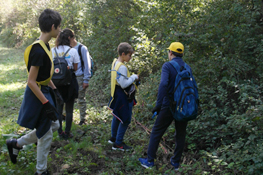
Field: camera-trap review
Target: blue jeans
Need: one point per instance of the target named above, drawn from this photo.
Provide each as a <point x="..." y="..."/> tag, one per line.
<point x="163" y="121"/>
<point x="118" y="129"/>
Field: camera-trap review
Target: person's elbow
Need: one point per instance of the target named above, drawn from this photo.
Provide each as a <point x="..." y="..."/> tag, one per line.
<point x="75" y="66"/>
<point x="31" y="83"/>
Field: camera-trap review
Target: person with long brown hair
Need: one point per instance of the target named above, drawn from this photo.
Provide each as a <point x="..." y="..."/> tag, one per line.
<point x="68" y="92"/>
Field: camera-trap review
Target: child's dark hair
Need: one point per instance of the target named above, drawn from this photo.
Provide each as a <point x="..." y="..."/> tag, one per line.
<point x="125" y="47"/>
<point x="63" y="37"/>
<point x="47" y="18"/>
<point x="177" y="54"/>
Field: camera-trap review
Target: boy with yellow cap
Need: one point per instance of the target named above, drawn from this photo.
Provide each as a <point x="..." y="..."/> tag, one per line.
<point x="165" y="118"/>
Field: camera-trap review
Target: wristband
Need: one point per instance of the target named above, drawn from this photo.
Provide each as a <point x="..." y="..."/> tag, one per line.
<point x="45" y="102"/>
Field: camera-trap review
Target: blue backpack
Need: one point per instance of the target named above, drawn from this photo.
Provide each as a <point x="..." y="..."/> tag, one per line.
<point x="184" y="105"/>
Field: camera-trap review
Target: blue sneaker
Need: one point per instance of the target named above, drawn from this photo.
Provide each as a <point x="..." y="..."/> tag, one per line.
<point x="175" y="165"/>
<point x="145" y="163"/>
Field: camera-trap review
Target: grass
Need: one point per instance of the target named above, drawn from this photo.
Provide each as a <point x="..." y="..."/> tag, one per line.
<point x="12" y="80"/>
<point x="87" y="153"/>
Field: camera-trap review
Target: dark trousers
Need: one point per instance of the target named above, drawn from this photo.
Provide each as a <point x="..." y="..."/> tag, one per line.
<point x="163" y="121"/>
<point x="69" y="115"/>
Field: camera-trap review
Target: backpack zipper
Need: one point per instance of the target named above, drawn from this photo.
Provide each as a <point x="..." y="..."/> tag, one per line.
<point x="184" y="99"/>
<point x="179" y="83"/>
<point x="183" y="93"/>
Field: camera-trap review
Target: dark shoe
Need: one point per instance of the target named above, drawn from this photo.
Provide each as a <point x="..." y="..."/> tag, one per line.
<point x="122" y="147"/>
<point x="61" y="135"/>
<point x="82" y="122"/>
<point x="112" y="140"/>
<point x="175" y="165"/>
<point x="13" y="150"/>
<point x="44" y="173"/>
<point x="144" y="162"/>
<point x="68" y="136"/>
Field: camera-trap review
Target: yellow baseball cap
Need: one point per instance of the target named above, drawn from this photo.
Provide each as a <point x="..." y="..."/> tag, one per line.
<point x="176" y="47"/>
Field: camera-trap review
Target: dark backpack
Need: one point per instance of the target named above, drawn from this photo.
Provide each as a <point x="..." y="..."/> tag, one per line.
<point x="82" y="62"/>
<point x="62" y="75"/>
<point x="184" y="105"/>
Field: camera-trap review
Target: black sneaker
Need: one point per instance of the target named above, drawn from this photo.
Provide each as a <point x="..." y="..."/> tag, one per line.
<point x="68" y="136"/>
<point x="12" y="149"/>
<point x="44" y="173"/>
<point x="122" y="147"/>
<point x="82" y="122"/>
<point x="112" y="140"/>
<point x="61" y="135"/>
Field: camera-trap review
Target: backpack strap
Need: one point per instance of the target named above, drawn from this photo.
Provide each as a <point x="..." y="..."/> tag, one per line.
<point x="176" y="66"/>
<point x="114" y="76"/>
<point x="79" y="51"/>
<point x="66" y="53"/>
<point x="80" y="56"/>
<point x="26" y="58"/>
<point x="56" y="52"/>
<point x="187" y="66"/>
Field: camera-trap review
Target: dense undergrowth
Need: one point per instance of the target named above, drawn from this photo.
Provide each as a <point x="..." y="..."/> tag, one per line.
<point x="223" y="45"/>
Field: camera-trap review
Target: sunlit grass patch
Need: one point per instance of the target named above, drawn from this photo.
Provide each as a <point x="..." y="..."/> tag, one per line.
<point x="12" y="74"/>
<point x="12" y="87"/>
<point x="11" y="64"/>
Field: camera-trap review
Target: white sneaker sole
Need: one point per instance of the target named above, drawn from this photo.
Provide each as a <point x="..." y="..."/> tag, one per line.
<point x="110" y="142"/>
<point x="146" y="166"/>
<point x="117" y="149"/>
